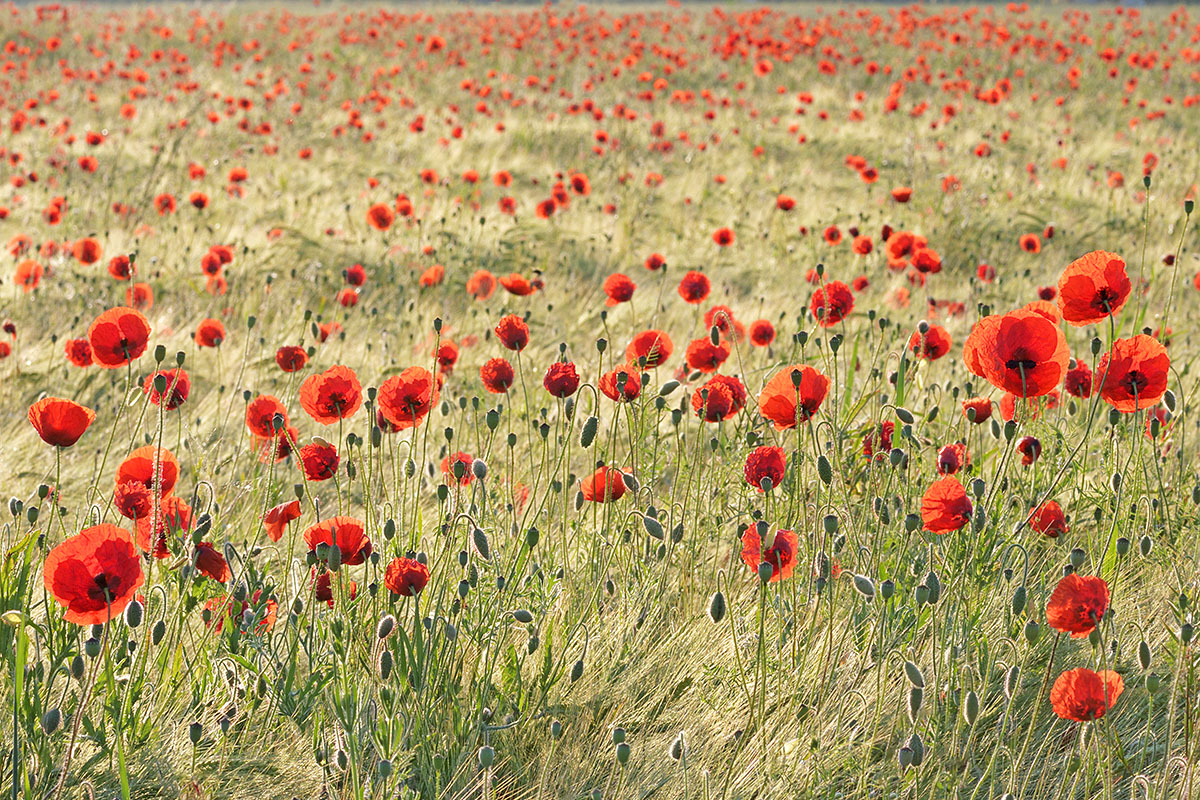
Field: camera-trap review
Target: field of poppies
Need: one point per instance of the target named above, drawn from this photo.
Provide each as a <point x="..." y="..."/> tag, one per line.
<point x="599" y="402"/>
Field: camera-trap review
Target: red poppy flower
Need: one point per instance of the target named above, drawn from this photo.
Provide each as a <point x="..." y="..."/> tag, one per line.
<point x="649" y="349"/>
<point x="354" y="544"/>
<point x="406" y="577"/>
<point x="291" y="358"/>
<point x="762" y="333"/>
<point x="60" y="422"/>
<point x="1030" y="243"/>
<point x="28" y="275"/>
<point x="785" y="202"/>
<point x="562" y="380"/>
<point x="952" y="459"/>
<point x="654" y="261"/>
<point x="719" y="399"/>
<point x="694" y="287"/>
<point x="1135" y="376"/>
<point x="832" y="235"/>
<point x="174" y="518"/>
<point x="626" y="375"/>
<point x="1093" y="287"/>
<point x="497" y="375"/>
<point x="765" y="463"/>
<point x="1077" y="604"/>
<point x="94" y="574"/>
<point x="133" y="500"/>
<point x="380" y="216"/>
<point x="140" y="295"/>
<point x="619" y="289"/>
<point x="1020" y="352"/>
<point x="785" y="404"/>
<point x="515" y="283"/>
<point x="1083" y="695"/>
<point x="982" y="407"/>
<point x="210" y="333"/>
<point x="931" y="345"/>
<point x="481" y="285"/>
<point x="319" y="461"/>
<point x="332" y="395"/>
<point x="945" y="507"/>
<point x="405" y="399"/>
<point x="704" y="356"/>
<point x="211" y="563"/>
<point x="1029" y="448"/>
<point x="79" y="352"/>
<point x="604" y="485"/>
<point x="277" y="518"/>
<point x="512" y="332"/>
<point x="118" y="336"/>
<point x="1078" y="381"/>
<point x="781" y="555"/>
<point x="87" y="251"/>
<point x="1048" y="519"/>
<point x="878" y="442"/>
<point x="862" y="246"/>
<point x="323" y="591"/>
<point x="901" y="194"/>
<point x="261" y="413"/>
<point x="139" y="466"/>
<point x="831" y="303"/>
<point x="723" y="237"/>
<point x="179" y="385"/>
<point x="433" y="276"/>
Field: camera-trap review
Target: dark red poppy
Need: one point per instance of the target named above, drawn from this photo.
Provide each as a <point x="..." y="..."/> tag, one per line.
<point x="291" y="358"/>
<point x="945" y="507"/>
<point x="720" y="398"/>
<point x="79" y="352"/>
<point x="619" y="289"/>
<point x="118" y="336"/>
<point x="977" y="409"/>
<point x="1093" y="287"/>
<point x="694" y="287"/>
<point x="332" y="395"/>
<point x="762" y="333"/>
<point x="319" y="461"/>
<point x="178" y="387"/>
<point x="723" y="237"/>
<point x="211" y="563"/>
<point x="1077" y="604"/>
<point x="60" y="422"/>
<point x="931" y="345"/>
<point x="765" y="463"/>
<point x="604" y="485"/>
<point x="831" y="303"/>
<point x="1135" y="376"/>
<point x="352" y="541"/>
<point x="622" y="384"/>
<point x="781" y="555"/>
<point x="1030" y="449"/>
<point x="878" y="442"/>
<point x="562" y="379"/>
<point x="786" y="404"/>
<point x="94" y="574"/>
<point x="277" y="518"/>
<point x="497" y="375"/>
<point x="512" y="332"/>
<point x="704" y="356"/>
<point x="649" y="349"/>
<point x="133" y="500"/>
<point x="1078" y="381"/>
<point x="1082" y="695"/>
<point x="406" y="577"/>
<point x="1048" y="519"/>
<point x="406" y="399"/>
<point x="209" y="333"/>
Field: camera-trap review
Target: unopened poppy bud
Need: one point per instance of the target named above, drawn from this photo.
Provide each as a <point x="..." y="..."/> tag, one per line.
<point x="556" y="729"/>
<point x="385" y="664"/>
<point x="384" y="768"/>
<point x="577" y="670"/>
<point x="895" y="456"/>
<point x="464" y="588"/>
<point x="1012" y="679"/>
<point x="1114" y="417"/>
<point x="158" y="632"/>
<point x="1122" y="545"/>
<point x="887" y="589"/>
<point x="915" y="697"/>
<point x="1077" y="557"/>
<point x="824" y="470"/>
<point x="160" y="383"/>
<point x="487" y="756"/>
<point x="522" y="615"/>
<point x="1145" y="544"/>
<point x="492" y="418"/>
<point x="970" y="707"/>
<point x="1033" y="632"/>
<point x="905" y="756"/>
<point x="180" y="357"/>
<point x="918" y="749"/>
<point x="1010" y="430"/>
<point x="601" y="345"/>
<point x="716" y="607"/>
<point x="51" y="721"/>
<point x="77" y="667"/>
<point x="1186" y="631"/>
<point x="588" y="434"/>
<point x="914" y="675"/>
<point x="622" y="753"/>
<point x="764" y="572"/>
<point x="479" y="468"/>
<point x="865" y="586"/>
<point x="91" y="647"/>
<point x="334" y="559"/>
<point x="133" y="613"/>
<point x="923" y="327"/>
<point x="1018" y="600"/>
<point x="1146" y="181"/>
<point x="1144" y="654"/>
<point x="480" y="540"/>
<point x="1116" y="481"/>
<point x="676" y="750"/>
<point x="935" y="587"/>
<point x="386" y="625"/>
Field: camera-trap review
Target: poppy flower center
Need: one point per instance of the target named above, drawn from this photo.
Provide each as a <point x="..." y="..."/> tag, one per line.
<point x="105" y="587"/>
<point x="1105" y="299"/>
<point x="1021" y="361"/>
<point x="1135" y="382"/>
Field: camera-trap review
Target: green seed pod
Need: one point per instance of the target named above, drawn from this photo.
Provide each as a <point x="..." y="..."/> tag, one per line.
<point x="556" y="729"/>
<point x="765" y="570"/>
<point x="487" y="757"/>
<point x="887" y="589"/>
<point x="492" y="418"/>
<point x="830" y="523"/>
<point x="195" y="731"/>
<point x="716" y="607"/>
<point x="51" y="721"/>
<point x="384" y="767"/>
<point x="914" y="675"/>
<point x="92" y="647"/>
<point x="1077" y="557"/>
<point x="618" y="735"/>
<point x="970" y="707"/>
<point x="480" y="540"/>
<point x="588" y="434"/>
<point x="1186" y="631"/>
<point x="623" y="753"/>
<point x="1153" y="682"/>
<point x="1033" y="632"/>
<point x="1122" y="546"/>
<point x="1010" y="431"/>
<point x="1018" y="601"/>
<point x="1144" y="654"/>
<point x="912" y="522"/>
<point x="921" y="595"/>
<point x="824" y="470"/>
<point x="905" y="756"/>
<point x="915" y="697"/>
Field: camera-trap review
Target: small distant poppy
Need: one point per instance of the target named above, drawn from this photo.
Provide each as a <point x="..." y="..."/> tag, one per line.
<point x="765" y="462"/>
<point x="781" y="555"/>
<point x="1077" y="604"/>
<point x="1083" y="695"/>
<point x="332" y="395"/>
<point x="793" y="395"/>
<point x="497" y="375"/>
<point x="346" y="532"/>
<point x="945" y="507"/>
<point x="562" y="379"/>
<point x="604" y="485"/>
<point x="406" y="577"/>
